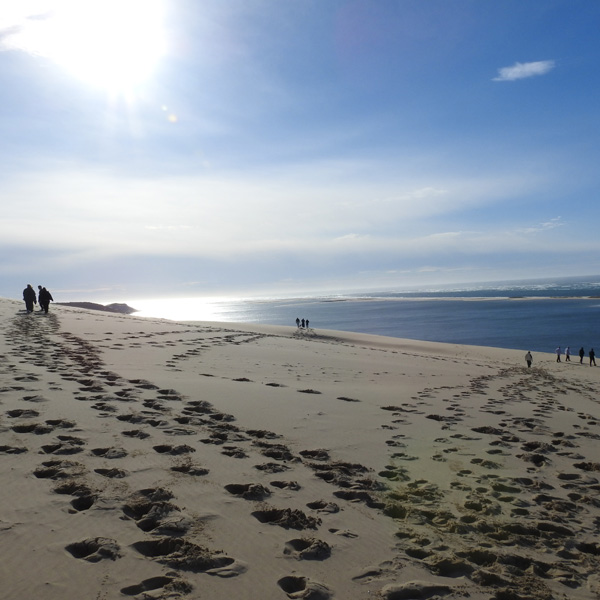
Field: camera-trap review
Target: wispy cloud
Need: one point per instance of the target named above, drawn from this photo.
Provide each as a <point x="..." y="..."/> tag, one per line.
<point x="524" y="70"/>
<point x="545" y="226"/>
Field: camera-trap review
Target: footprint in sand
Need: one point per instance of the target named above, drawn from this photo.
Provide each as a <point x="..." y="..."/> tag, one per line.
<point x="35" y="428"/>
<point x="359" y="496"/>
<point x="24" y="413"/>
<point x="302" y="587"/>
<point x="12" y="449"/>
<point x="286" y="485"/>
<point x="248" y="491"/>
<point x="272" y="468"/>
<point x="178" y="553"/>
<point x="307" y="549"/>
<point x="174" y="450"/>
<point x="85" y="497"/>
<point x="112" y="473"/>
<point x="344" y="533"/>
<point x="287" y="518"/>
<point x="110" y="453"/>
<point x="95" y="549"/>
<point x="188" y="468"/>
<point x="66" y="445"/>
<point x="152" y="512"/>
<point x="324" y="507"/>
<point x="168" y="584"/>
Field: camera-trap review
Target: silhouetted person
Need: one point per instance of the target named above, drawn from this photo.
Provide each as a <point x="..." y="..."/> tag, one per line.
<point x="297" y="322"/>
<point x="29" y="297"/>
<point x="581" y="355"/>
<point x="40" y="297"/>
<point x="557" y="354"/>
<point x="592" y="356"/>
<point x="45" y="298"/>
<point x="306" y="323"/>
<point x="528" y="359"/>
<point x="567" y="354"/>
<point x="303" y="322"/>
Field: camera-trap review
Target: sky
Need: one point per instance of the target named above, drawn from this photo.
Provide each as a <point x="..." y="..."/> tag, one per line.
<point x="190" y="148"/>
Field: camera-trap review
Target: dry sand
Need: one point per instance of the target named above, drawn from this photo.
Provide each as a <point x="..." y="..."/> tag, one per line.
<point x="152" y="459"/>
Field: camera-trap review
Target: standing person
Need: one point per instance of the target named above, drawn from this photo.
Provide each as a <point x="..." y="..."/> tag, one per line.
<point x="592" y="356"/>
<point x="303" y="323"/>
<point x="298" y="322"/>
<point x="45" y="297"/>
<point x="567" y="354"/>
<point x="528" y="359"/>
<point x="306" y="323"/>
<point x="581" y="355"/>
<point x="40" y="297"/>
<point x="29" y="297"/>
<point x="557" y="354"/>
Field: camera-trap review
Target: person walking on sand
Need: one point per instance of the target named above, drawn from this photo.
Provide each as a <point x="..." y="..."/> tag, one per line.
<point x="40" y="297"/>
<point x="557" y="354"/>
<point x="528" y="359"/>
<point x="297" y="322"/>
<point x="45" y="297"/>
<point x="581" y="355"/>
<point x="592" y="356"/>
<point x="302" y="323"/>
<point x="567" y="354"/>
<point x="306" y="323"/>
<point x="29" y="297"/>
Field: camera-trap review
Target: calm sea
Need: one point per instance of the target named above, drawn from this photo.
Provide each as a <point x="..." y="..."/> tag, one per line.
<point x="535" y="316"/>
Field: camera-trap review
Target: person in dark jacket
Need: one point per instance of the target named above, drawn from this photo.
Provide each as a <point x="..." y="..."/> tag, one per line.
<point x="592" y="356"/>
<point x="581" y="355"/>
<point x="45" y="297"/>
<point x="29" y="297"/>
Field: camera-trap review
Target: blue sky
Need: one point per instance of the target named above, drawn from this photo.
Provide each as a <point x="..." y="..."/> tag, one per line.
<point x="189" y="147"/>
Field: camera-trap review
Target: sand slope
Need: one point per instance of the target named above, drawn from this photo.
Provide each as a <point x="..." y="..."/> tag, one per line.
<point x="152" y="459"/>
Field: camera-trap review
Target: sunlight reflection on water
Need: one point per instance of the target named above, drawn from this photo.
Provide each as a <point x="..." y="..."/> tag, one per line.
<point x="182" y="309"/>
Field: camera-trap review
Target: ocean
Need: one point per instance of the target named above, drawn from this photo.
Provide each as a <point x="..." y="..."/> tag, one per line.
<point x="536" y="316"/>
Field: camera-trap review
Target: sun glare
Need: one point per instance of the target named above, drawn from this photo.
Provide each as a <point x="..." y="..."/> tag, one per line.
<point x="114" y="44"/>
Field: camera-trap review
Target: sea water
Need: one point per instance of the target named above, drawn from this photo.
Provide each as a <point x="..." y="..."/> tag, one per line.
<point x="529" y="316"/>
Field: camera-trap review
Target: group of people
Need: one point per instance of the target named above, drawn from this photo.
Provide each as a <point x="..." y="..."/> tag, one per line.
<point x="567" y="353"/>
<point x="591" y="354"/>
<point x="44" y="297"/>
<point x="301" y="323"/>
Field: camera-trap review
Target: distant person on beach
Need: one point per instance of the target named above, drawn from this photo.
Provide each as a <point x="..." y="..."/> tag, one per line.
<point x="557" y="354"/>
<point x="528" y="359"/>
<point x="306" y="323"/>
<point x="40" y="297"/>
<point x="297" y="322"/>
<point x="567" y="354"/>
<point x="592" y="356"/>
<point x="45" y="297"/>
<point x="29" y="297"/>
<point x="303" y="322"/>
<point x="581" y="355"/>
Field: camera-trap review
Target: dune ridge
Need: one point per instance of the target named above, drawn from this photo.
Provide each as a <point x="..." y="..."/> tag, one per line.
<point x="145" y="458"/>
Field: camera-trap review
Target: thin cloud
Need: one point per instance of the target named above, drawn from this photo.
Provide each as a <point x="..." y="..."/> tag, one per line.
<point x="545" y="226"/>
<point x="524" y="70"/>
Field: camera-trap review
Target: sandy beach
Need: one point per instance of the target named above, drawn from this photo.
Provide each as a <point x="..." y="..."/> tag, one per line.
<point x="144" y="458"/>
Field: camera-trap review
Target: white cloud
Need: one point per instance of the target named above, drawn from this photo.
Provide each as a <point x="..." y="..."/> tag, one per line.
<point x="545" y="226"/>
<point x="524" y="70"/>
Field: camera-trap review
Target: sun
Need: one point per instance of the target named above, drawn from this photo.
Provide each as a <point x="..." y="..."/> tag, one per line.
<point x="113" y="44"/>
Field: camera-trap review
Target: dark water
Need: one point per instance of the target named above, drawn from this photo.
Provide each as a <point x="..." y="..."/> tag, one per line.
<point x="533" y="324"/>
<point x="535" y="315"/>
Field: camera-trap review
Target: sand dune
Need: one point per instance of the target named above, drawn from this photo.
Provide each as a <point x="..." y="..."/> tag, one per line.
<point x="152" y="459"/>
